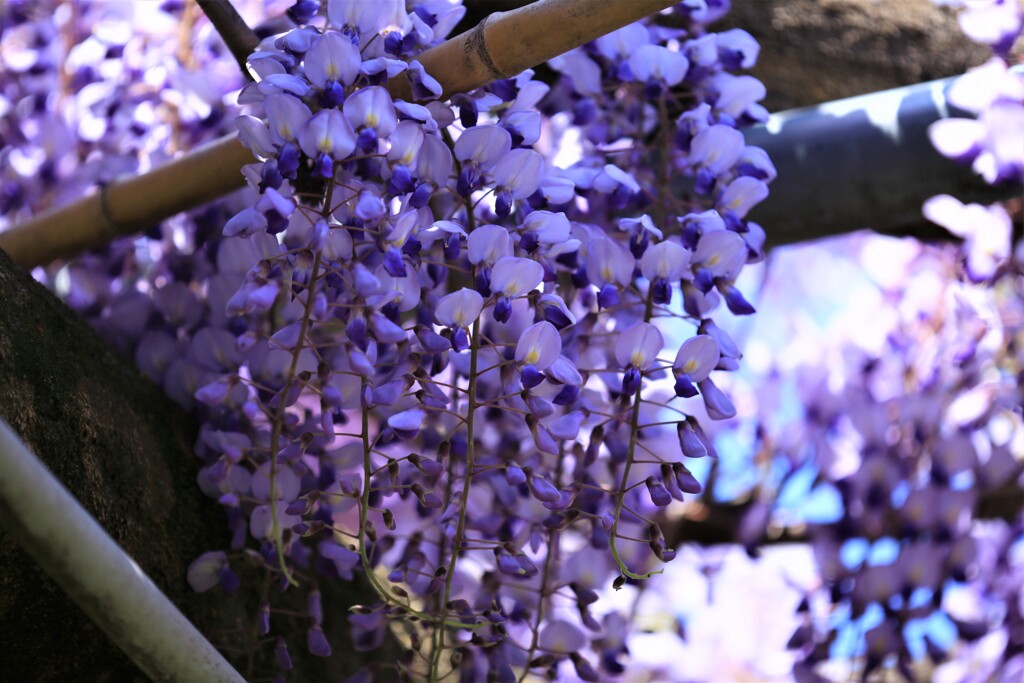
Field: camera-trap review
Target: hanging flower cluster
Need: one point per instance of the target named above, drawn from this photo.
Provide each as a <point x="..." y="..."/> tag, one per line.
<point x="909" y="447"/>
<point x="920" y="438"/>
<point x="431" y="350"/>
<point x="991" y="142"/>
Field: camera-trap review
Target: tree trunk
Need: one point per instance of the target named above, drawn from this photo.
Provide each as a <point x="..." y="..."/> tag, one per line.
<point x="124" y="450"/>
<point x="814" y="51"/>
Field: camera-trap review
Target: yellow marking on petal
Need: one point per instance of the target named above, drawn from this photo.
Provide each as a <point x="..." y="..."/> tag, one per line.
<point x="532" y="357"/>
<point x="690" y="366"/>
<point x="638" y="358"/>
<point x="606" y="273"/>
<point x="372" y="120"/>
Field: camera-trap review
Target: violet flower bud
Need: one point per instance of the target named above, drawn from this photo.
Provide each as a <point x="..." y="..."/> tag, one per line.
<point x="317" y="643"/>
<point x="542" y="489"/>
<point x="284" y="660"/>
<point x="514" y="474"/>
<point x="659" y="494"/>
<point x="691" y="444"/>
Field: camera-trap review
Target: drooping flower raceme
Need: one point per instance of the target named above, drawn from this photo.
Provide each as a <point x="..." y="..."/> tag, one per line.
<point x="993" y="143"/>
<point x="918" y="434"/>
<point x="423" y="351"/>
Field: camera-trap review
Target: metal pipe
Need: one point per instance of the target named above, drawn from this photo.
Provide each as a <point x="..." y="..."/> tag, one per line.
<point x="862" y="162"/>
<point x="92" y="569"/>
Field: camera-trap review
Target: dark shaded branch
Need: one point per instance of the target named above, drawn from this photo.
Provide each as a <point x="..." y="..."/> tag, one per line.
<point x="719" y="523"/>
<point x="814" y="51"/>
<point x="240" y="39"/>
<point x="863" y="162"/>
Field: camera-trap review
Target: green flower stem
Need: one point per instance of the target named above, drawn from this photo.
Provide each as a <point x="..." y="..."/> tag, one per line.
<point x="278" y="422"/>
<point x="460" y="529"/>
<point x="634" y="430"/>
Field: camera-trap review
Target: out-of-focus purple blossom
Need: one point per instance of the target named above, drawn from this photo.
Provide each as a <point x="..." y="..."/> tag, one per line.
<point x="996" y="23"/>
<point x="658" y="63"/>
<point x="992" y="141"/>
<point x="737" y="49"/>
<point x="205" y="571"/>
<point x="986" y="231"/>
<point x="561" y="636"/>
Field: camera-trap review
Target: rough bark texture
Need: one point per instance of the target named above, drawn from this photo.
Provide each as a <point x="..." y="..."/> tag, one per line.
<point x="814" y="51"/>
<point x="124" y="451"/>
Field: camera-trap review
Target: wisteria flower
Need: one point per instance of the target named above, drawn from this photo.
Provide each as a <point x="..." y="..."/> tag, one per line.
<point x="986" y="232"/>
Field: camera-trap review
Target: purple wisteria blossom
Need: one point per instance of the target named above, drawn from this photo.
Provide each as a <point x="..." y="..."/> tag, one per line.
<point x="421" y="349"/>
<point x="986" y="231"/>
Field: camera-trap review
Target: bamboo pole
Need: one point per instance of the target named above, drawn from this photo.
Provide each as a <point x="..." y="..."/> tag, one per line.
<point x="500" y="46"/>
<point x="128" y="206"/>
<point x="506" y="43"/>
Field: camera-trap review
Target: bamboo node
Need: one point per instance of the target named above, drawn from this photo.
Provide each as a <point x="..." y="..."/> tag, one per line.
<point x="114" y="227"/>
<point x="477" y="43"/>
